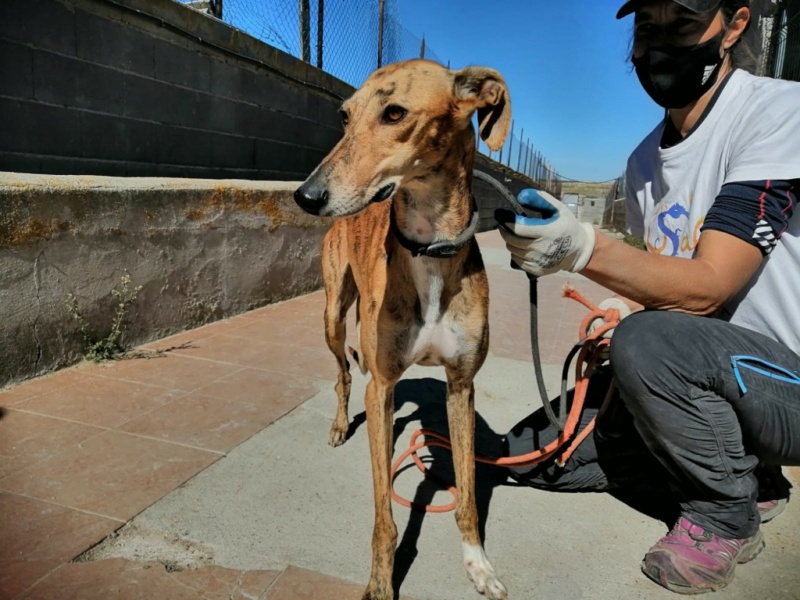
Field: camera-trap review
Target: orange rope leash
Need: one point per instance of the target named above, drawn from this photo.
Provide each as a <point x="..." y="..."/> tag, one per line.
<point x="593" y="345"/>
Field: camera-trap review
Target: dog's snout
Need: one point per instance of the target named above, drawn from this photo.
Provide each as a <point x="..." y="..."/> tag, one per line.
<point x="311" y="196"/>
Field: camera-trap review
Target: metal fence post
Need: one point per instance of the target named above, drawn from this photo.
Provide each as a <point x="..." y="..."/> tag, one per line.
<point x="305" y="30"/>
<point x="320" y="30"/>
<point x="215" y="6"/>
<point x="527" y="157"/>
<point x="521" y="143"/>
<point x="510" y="145"/>
<point x="381" y="11"/>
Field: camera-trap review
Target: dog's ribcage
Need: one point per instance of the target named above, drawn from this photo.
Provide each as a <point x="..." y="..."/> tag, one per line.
<point x="438" y="338"/>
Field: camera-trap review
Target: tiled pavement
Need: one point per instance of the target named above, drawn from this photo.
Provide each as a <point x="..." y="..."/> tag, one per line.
<point x="86" y="449"/>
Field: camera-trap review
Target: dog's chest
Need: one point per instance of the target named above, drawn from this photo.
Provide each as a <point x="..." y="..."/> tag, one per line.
<point x="438" y="338"/>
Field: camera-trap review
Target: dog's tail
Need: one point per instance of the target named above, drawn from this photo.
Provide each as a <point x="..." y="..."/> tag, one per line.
<point x="358" y="356"/>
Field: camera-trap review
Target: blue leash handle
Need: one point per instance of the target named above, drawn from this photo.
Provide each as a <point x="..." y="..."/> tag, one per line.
<point x="762" y="367"/>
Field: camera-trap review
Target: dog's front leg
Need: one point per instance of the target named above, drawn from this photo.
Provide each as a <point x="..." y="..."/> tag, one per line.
<point x="380" y="411"/>
<point x="461" y="420"/>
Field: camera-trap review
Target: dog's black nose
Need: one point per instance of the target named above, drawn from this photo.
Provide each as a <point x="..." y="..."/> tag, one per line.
<point x="311" y="197"/>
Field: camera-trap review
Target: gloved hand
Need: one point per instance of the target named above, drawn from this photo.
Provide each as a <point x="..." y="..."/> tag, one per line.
<point x="554" y="242"/>
<point x="621" y="306"/>
<point x="623" y="309"/>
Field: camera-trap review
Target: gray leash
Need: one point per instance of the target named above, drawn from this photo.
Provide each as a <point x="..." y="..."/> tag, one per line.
<point x="557" y="421"/>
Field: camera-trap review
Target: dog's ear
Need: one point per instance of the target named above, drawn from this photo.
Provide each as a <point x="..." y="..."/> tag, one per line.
<point x="485" y="90"/>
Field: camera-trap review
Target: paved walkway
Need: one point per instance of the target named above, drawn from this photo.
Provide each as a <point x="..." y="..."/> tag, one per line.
<point x="206" y="474"/>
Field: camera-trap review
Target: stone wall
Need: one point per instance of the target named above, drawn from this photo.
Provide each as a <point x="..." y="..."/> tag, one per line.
<point x="202" y="250"/>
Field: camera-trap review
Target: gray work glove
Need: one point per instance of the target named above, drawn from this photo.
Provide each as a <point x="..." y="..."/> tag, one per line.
<point x="554" y="242"/>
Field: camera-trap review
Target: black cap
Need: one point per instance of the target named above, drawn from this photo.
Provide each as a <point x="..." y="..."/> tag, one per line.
<point x="698" y="6"/>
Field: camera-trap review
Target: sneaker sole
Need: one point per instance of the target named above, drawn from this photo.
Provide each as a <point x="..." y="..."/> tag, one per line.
<point x="770" y="514"/>
<point x="748" y="554"/>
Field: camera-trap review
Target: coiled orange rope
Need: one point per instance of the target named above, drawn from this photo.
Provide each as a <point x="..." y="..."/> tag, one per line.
<point x="593" y="345"/>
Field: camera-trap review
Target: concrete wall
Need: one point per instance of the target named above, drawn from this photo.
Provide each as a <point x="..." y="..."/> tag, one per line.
<point x="154" y="88"/>
<point x="202" y="250"/>
<point x="614" y="216"/>
<point x="591" y="209"/>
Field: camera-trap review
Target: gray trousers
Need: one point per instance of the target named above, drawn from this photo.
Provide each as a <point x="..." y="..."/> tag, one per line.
<point x="688" y="417"/>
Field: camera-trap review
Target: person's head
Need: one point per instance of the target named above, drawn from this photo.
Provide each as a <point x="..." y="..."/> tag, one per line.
<point x="685" y="45"/>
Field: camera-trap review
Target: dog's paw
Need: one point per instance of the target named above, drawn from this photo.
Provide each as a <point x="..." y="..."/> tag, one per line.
<point x="494" y="589"/>
<point x="377" y="594"/>
<point x="481" y="573"/>
<point x="338" y="435"/>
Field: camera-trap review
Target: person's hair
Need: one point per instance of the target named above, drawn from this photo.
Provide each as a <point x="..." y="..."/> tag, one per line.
<point x="742" y="55"/>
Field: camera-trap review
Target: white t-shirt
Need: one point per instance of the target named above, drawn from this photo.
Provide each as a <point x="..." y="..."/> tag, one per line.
<point x="751" y="133"/>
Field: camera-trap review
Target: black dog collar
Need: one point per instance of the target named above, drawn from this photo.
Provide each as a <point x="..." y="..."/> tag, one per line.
<point x="441" y="249"/>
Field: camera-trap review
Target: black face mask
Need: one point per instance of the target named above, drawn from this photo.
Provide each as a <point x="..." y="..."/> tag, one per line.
<point x="676" y="76"/>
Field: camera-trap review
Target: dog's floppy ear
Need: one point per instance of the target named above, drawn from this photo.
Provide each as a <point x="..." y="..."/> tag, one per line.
<point x="485" y="90"/>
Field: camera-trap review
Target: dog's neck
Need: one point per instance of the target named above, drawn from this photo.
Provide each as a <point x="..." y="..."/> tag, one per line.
<point x="435" y="208"/>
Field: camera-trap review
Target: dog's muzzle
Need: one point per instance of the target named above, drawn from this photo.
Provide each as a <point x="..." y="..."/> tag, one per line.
<point x="311" y="197"/>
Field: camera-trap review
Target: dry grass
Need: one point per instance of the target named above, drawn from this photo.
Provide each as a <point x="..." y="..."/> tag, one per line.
<point x="591" y="190"/>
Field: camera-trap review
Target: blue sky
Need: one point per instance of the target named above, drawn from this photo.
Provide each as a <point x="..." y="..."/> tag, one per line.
<point x="565" y="64"/>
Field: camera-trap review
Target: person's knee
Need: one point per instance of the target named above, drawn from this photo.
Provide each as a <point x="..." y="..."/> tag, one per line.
<point x="636" y="339"/>
<point x="642" y="349"/>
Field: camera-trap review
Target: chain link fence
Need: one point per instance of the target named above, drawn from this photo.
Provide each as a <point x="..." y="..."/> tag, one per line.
<point x="519" y="154"/>
<point x="786" y="63"/>
<point x="346" y="38"/>
<point x="349" y="39"/>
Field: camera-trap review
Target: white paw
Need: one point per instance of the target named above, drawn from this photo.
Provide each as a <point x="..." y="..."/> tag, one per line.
<point x="482" y="574"/>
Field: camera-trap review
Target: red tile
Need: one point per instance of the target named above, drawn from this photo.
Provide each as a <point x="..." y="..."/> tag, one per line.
<point x="214" y="581"/>
<point x="27" y="439"/>
<point x="306" y="333"/>
<point x="279" y="391"/>
<point x="37" y="537"/>
<point x="276" y="352"/>
<point x="301" y="584"/>
<point x="169" y="372"/>
<point x="113" y="474"/>
<point x="189" y="338"/>
<point x="122" y="579"/>
<point x="490" y="239"/>
<point x="42" y="385"/>
<point x="218" y="424"/>
<point x="101" y="401"/>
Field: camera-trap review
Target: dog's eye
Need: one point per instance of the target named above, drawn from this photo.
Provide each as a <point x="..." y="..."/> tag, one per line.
<point x="344" y="116"/>
<point x="393" y="113"/>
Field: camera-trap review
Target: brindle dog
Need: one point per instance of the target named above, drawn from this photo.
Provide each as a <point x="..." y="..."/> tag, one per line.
<point x="408" y="137"/>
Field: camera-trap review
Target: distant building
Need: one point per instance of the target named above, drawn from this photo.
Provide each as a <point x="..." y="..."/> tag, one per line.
<point x="571" y="200"/>
<point x="590" y="210"/>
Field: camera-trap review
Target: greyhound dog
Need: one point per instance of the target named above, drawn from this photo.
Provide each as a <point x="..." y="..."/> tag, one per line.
<point x="413" y="266"/>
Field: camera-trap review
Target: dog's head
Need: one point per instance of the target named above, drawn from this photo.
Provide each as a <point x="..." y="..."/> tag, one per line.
<point x="409" y="120"/>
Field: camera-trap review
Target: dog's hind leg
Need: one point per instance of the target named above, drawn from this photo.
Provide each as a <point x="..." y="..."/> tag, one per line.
<point x="461" y="421"/>
<point x="340" y="293"/>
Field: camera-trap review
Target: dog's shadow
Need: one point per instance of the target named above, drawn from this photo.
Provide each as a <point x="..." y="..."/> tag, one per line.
<point x="429" y="396"/>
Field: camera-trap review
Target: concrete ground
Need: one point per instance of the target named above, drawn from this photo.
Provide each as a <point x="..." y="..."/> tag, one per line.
<point x="207" y="474"/>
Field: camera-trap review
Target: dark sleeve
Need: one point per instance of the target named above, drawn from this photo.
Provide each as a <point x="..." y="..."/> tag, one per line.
<point x="757" y="212"/>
